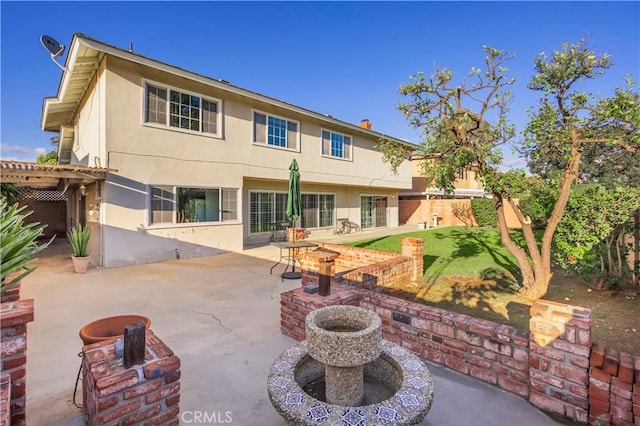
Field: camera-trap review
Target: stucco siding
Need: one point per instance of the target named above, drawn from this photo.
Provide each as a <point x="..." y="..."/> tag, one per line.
<point x="89" y="135"/>
<point x="129" y="136"/>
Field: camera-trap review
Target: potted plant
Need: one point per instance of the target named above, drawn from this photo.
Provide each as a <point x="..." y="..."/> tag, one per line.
<point x="78" y="237"/>
<point x="18" y="242"/>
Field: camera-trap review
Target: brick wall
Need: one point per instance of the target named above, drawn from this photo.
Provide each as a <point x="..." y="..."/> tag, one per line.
<point x="559" y="359"/>
<point x="493" y="353"/>
<point x="12" y="294"/>
<point x="368" y="268"/>
<point x="414" y="211"/>
<point x="143" y="394"/>
<point x="553" y="366"/>
<point x="295" y="305"/>
<point x="614" y="387"/>
<point x="13" y="346"/>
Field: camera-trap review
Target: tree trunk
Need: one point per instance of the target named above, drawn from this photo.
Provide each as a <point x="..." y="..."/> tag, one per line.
<point x="608" y="242"/>
<point x="532" y="286"/>
<point x="619" y="243"/>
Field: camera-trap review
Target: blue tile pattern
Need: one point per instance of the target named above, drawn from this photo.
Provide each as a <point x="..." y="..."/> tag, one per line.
<point x="385" y="414"/>
<point x="353" y="417"/>
<point x="408" y="400"/>
<point x="414" y="365"/>
<point x="318" y="413"/>
<point x="418" y="383"/>
<point x="293" y="399"/>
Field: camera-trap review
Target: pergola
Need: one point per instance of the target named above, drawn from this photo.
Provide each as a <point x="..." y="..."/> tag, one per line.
<point x="50" y="176"/>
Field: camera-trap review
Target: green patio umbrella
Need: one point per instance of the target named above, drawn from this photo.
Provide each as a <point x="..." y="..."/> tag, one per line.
<point x="293" y="197"/>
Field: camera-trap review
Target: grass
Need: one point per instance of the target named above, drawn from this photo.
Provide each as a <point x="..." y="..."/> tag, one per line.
<point x="467" y="270"/>
<point x="472" y="252"/>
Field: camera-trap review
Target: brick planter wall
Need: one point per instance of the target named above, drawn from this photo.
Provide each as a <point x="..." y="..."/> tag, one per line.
<point x="143" y="394"/>
<point x="13" y="347"/>
<point x="366" y="268"/>
<point x="12" y="294"/>
<point x="493" y="353"/>
<point x="614" y="387"/>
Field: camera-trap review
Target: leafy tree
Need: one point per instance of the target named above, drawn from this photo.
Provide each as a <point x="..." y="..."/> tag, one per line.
<point x="466" y="123"/>
<point x="586" y="236"/>
<point x="538" y="200"/>
<point x="50" y="157"/>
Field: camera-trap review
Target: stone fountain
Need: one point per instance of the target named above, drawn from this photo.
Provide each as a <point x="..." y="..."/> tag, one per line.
<point x="345" y="373"/>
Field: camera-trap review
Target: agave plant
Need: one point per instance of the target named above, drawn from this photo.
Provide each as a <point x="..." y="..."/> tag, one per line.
<point x="18" y="242"/>
<point x="78" y="237"/>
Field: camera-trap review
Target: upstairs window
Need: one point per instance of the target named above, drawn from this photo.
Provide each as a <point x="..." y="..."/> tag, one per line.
<point x="186" y="111"/>
<point x="336" y="145"/>
<point x="463" y="173"/>
<point x="275" y="131"/>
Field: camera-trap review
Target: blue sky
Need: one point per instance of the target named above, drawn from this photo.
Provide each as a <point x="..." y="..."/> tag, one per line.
<point x="346" y="59"/>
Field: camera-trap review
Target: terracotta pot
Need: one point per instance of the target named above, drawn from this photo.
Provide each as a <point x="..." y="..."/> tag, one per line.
<point x="80" y="264"/>
<point x="110" y="328"/>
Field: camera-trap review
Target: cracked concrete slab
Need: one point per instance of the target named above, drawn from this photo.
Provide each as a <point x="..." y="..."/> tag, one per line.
<point x="221" y="315"/>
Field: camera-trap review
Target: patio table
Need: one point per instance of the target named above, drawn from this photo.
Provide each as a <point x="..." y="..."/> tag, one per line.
<point x="288" y="252"/>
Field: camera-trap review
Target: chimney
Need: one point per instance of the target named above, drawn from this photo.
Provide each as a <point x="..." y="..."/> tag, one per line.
<point x="365" y="124"/>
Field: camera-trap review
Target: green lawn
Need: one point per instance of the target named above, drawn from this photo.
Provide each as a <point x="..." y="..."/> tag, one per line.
<point x="471" y="252"/>
<point x="466" y="270"/>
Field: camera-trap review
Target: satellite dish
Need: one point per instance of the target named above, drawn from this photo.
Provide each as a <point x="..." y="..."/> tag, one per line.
<point x="52" y="45"/>
<point x="54" y="48"/>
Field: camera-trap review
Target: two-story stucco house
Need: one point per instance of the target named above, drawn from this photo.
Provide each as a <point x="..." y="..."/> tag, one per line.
<point x="199" y="166"/>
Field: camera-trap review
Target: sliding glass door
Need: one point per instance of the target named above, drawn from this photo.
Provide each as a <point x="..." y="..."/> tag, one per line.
<point x="373" y="211"/>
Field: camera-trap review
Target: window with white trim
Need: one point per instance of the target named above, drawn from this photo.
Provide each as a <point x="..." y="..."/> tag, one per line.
<point x="182" y="110"/>
<point x="267" y="209"/>
<point x="336" y="145"/>
<point x="317" y="210"/>
<point x="189" y="205"/>
<point x="275" y="131"/>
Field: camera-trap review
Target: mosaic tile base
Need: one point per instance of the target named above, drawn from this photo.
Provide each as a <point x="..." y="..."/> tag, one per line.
<point x="409" y="405"/>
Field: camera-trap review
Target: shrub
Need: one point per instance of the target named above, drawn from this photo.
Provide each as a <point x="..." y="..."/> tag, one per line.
<point x="484" y="212"/>
<point x="18" y="242"/>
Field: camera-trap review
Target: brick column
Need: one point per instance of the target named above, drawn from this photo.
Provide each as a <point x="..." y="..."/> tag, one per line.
<point x="414" y="248"/>
<point x="14" y="354"/>
<point x="560" y="344"/>
<point x="147" y="393"/>
<point x="614" y="387"/>
<point x="12" y="294"/>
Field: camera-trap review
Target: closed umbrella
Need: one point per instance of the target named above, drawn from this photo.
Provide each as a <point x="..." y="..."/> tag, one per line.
<point x="293" y="213"/>
<point x="293" y="197"/>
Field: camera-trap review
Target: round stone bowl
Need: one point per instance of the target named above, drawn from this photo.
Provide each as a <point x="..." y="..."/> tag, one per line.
<point x="409" y="383"/>
<point x="343" y="335"/>
<point x="109" y="328"/>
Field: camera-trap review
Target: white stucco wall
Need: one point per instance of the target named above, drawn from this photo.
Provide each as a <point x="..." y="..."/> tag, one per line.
<point x="114" y="132"/>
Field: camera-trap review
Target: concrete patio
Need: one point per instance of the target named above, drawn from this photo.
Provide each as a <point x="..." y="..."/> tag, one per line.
<point x="220" y="315"/>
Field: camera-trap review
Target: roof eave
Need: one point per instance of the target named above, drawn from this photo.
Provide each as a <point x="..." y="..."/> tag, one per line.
<point x="224" y="86"/>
